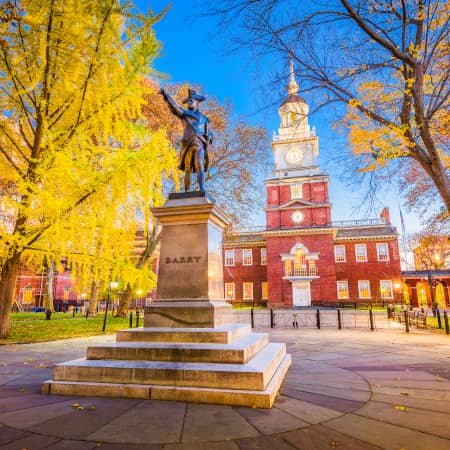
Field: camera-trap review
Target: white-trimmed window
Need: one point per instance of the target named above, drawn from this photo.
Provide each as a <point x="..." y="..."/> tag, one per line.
<point x="247" y="290"/>
<point x="361" y="252"/>
<point x="297" y="190"/>
<point x="383" y="251"/>
<point x="264" y="290"/>
<point x="229" y="258"/>
<point x="247" y="257"/>
<point x="364" y="288"/>
<point x="342" y="289"/>
<point x="229" y="291"/>
<point x="386" y="289"/>
<point x="339" y="253"/>
<point x="264" y="256"/>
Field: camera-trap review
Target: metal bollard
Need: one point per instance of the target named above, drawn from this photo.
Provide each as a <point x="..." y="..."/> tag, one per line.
<point x="447" y="329"/>
<point x="318" y="318"/>
<point x="339" y="319"/>
<point x="438" y="314"/>
<point x="73" y="313"/>
<point x="252" y="319"/>
<point x="272" y="323"/>
<point x="371" y="319"/>
<point x="137" y="319"/>
<point x="406" y="321"/>
<point x="131" y="319"/>
<point x="87" y="313"/>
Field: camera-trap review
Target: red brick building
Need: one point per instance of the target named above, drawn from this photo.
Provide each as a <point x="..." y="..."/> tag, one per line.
<point x="301" y="256"/>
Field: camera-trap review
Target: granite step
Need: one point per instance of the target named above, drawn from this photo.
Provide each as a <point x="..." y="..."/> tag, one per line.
<point x="235" y="397"/>
<point x="225" y="334"/>
<point x="253" y="375"/>
<point x="238" y="352"/>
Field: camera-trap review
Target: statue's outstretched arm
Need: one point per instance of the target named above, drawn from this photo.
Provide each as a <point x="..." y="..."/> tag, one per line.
<point x="174" y="108"/>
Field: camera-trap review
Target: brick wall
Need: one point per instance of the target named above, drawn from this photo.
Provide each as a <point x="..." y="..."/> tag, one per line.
<point x="372" y="270"/>
<point x="238" y="274"/>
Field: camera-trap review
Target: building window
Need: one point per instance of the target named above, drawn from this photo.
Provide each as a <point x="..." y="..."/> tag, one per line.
<point x="296" y="190"/>
<point x="342" y="289"/>
<point x="386" y="289"/>
<point x="229" y="291"/>
<point x="229" y="258"/>
<point x="27" y="294"/>
<point x="247" y="288"/>
<point x="364" y="288"/>
<point x="264" y="256"/>
<point x="247" y="257"/>
<point x="361" y="252"/>
<point x="339" y="253"/>
<point x="264" y="290"/>
<point x="383" y="252"/>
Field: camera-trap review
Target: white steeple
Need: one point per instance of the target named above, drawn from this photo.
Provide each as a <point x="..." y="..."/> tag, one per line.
<point x="292" y="87"/>
<point x="295" y="146"/>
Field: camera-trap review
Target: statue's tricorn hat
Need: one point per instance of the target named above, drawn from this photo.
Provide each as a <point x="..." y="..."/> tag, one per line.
<point x="195" y="96"/>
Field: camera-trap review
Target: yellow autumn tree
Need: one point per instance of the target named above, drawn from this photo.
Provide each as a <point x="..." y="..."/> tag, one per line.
<point x="76" y="159"/>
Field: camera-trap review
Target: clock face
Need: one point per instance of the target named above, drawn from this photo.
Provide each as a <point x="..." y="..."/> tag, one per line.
<point x="297" y="217"/>
<point x="294" y="156"/>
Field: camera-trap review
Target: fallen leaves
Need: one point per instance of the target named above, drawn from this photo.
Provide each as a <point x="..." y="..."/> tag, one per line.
<point x="79" y="407"/>
<point x="401" y="408"/>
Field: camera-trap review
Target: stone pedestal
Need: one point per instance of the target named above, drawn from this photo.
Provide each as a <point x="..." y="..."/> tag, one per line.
<point x="189" y="349"/>
<point x="190" y="276"/>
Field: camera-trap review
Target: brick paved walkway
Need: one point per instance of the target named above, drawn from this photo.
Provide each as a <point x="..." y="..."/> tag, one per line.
<point x="346" y="389"/>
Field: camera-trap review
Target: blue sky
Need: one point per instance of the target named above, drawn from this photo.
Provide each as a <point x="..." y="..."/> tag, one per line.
<point x="191" y="54"/>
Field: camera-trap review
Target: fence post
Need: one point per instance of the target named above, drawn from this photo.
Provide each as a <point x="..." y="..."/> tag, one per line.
<point x="137" y="319"/>
<point x="406" y="321"/>
<point x="131" y="319"/>
<point x="339" y="319"/>
<point x="318" y="318"/>
<point x="252" y="319"/>
<point x="438" y="315"/>
<point x="371" y="319"/>
<point x="447" y="329"/>
<point x="272" y="324"/>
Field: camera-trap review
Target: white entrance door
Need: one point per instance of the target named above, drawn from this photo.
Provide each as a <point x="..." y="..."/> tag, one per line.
<point x="301" y="294"/>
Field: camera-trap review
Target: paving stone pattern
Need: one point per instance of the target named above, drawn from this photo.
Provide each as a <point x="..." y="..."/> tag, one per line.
<point x="348" y="389"/>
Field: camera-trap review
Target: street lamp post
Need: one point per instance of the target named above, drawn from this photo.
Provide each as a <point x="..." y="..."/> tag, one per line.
<point x="398" y="287"/>
<point x="112" y="285"/>
<point x="138" y="301"/>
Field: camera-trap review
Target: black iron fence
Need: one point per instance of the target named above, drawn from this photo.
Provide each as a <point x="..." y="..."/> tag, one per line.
<point x="340" y="318"/>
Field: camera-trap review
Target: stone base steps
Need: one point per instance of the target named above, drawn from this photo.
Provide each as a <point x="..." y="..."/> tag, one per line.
<point x="227" y="365"/>
<point x="225" y="334"/>
<point x="234" y="397"/>
<point x="238" y="352"/>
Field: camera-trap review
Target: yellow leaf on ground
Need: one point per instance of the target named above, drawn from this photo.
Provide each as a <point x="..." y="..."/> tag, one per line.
<point x="401" y="408"/>
<point x="76" y="405"/>
<point x="92" y="408"/>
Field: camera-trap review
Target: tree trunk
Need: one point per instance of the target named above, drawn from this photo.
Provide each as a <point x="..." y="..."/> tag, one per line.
<point x="10" y="270"/>
<point x="124" y="301"/>
<point x="49" y="284"/>
<point x="95" y="289"/>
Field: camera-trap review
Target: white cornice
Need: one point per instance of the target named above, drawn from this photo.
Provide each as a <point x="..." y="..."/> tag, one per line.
<point x="290" y="180"/>
<point x="300" y="231"/>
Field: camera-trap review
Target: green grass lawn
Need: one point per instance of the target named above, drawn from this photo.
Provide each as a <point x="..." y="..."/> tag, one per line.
<point x="32" y="327"/>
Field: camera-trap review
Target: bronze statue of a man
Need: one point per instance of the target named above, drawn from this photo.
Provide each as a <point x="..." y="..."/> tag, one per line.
<point x="196" y="137"/>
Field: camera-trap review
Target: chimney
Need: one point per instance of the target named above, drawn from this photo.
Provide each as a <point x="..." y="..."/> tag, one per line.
<point x="385" y="216"/>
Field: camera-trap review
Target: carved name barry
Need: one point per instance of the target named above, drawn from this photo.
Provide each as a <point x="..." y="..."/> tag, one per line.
<point x="183" y="259"/>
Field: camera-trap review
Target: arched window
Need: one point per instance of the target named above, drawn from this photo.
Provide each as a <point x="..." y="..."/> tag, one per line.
<point x="440" y="295"/>
<point x="27" y="294"/>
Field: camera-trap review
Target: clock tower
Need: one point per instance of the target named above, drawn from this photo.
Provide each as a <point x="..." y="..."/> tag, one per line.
<point x="297" y="195"/>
